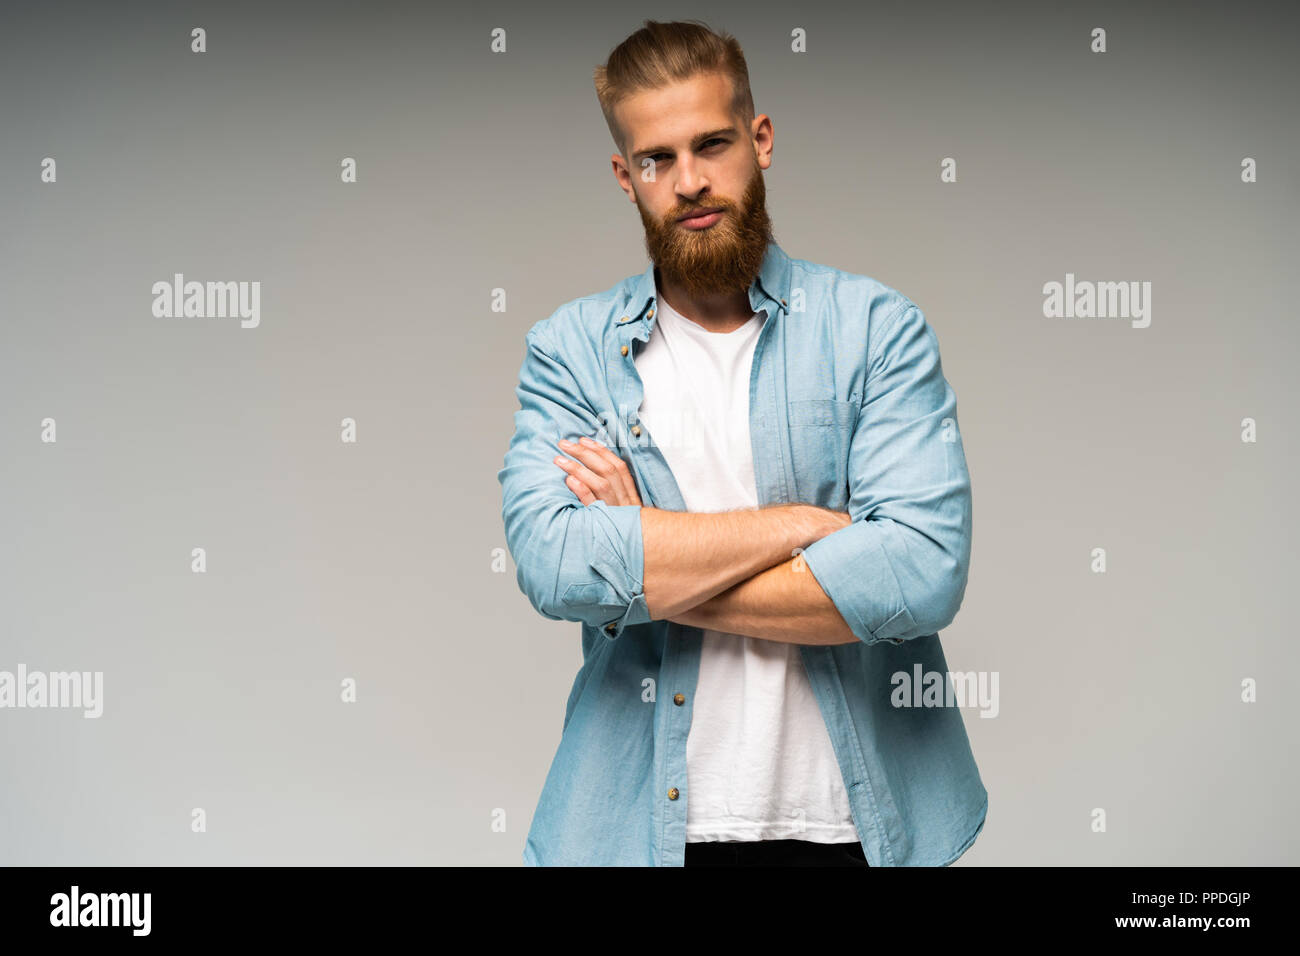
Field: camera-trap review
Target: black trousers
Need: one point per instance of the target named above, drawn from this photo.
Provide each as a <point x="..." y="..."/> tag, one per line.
<point x="775" y="853"/>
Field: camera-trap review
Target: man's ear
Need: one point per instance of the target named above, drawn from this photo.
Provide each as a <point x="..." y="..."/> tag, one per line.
<point x="622" y="174"/>
<point x="762" y="137"/>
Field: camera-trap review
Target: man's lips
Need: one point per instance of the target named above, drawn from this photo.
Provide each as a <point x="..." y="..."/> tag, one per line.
<point x="701" y="217"/>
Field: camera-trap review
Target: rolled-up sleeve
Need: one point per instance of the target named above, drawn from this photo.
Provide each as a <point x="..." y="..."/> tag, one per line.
<point x="573" y="562"/>
<point x="899" y="570"/>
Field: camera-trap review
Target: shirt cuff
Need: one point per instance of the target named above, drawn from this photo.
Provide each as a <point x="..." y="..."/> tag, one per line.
<point x="854" y="571"/>
<point x="636" y="613"/>
<point x="618" y="557"/>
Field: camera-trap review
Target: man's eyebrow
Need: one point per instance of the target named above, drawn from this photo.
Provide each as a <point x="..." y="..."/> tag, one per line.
<point x="696" y="141"/>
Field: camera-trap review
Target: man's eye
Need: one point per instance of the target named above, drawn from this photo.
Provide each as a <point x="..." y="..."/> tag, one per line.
<point x="707" y="144"/>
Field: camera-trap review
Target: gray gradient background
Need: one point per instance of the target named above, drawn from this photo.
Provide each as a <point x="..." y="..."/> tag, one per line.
<point x="478" y="171"/>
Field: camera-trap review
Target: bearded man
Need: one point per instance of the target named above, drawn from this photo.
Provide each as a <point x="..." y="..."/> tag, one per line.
<point x="741" y="473"/>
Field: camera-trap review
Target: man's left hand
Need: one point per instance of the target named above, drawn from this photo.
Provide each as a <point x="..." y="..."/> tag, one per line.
<point x="597" y="473"/>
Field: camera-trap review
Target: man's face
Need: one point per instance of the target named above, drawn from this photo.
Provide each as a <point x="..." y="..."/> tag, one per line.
<point x="703" y="161"/>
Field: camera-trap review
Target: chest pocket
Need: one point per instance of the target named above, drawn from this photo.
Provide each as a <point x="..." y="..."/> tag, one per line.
<point x="821" y="430"/>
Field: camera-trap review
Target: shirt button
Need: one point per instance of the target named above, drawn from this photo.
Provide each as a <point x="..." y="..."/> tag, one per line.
<point x="623" y="350"/>
<point x="672" y="794"/>
<point x="679" y="699"/>
<point x="622" y="320"/>
<point x="610" y="626"/>
<point x="651" y="312"/>
<point x="636" y="430"/>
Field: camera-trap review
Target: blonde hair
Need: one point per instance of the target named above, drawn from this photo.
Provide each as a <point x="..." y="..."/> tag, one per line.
<point x="662" y="53"/>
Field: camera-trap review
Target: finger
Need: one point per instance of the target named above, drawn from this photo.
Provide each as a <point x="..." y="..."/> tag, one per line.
<point x="597" y="461"/>
<point x="620" y="472"/>
<point x="589" y="453"/>
<point x="596" y="483"/>
<point x="578" y="488"/>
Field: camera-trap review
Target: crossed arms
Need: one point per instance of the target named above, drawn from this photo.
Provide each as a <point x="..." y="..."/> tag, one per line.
<point x="893" y="567"/>
<point x="735" y="571"/>
<point x="764" y="592"/>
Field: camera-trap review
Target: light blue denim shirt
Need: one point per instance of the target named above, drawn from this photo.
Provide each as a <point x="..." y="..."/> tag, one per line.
<point x="849" y="409"/>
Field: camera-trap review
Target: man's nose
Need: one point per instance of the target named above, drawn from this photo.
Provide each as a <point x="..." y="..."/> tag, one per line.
<point x="691" y="181"/>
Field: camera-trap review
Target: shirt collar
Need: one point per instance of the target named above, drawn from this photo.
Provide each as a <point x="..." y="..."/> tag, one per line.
<point x="772" y="284"/>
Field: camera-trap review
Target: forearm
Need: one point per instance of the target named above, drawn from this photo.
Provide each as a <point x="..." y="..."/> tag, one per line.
<point x="692" y="556"/>
<point x="782" y="603"/>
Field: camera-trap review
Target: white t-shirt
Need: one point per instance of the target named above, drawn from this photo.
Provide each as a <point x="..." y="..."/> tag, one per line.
<point x="759" y="760"/>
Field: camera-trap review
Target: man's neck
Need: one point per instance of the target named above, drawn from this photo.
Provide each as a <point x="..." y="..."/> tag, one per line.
<point x="725" y="312"/>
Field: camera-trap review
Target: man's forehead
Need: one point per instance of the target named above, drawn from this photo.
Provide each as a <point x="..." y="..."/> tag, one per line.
<point x="678" y="111"/>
